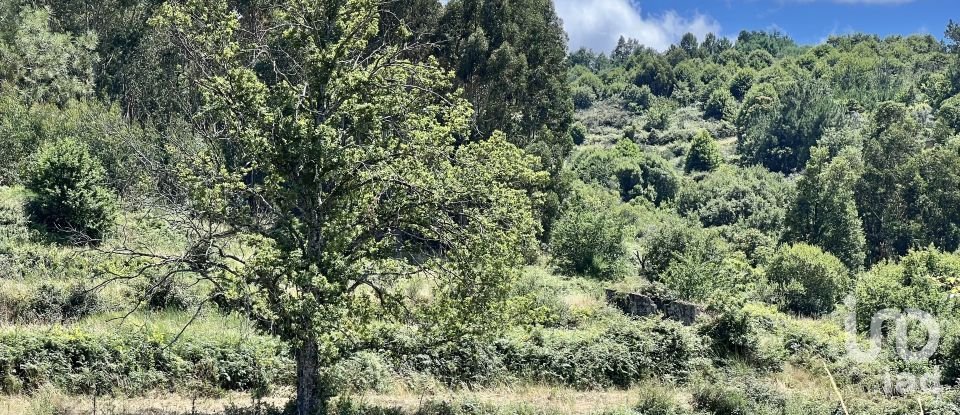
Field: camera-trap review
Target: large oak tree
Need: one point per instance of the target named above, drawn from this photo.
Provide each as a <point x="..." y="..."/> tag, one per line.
<point x="329" y="173"/>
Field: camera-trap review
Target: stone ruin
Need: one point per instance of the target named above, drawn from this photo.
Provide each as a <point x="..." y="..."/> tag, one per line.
<point x="640" y="305"/>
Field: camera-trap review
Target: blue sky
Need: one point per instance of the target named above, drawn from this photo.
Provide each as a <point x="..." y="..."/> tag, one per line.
<point x="658" y="23"/>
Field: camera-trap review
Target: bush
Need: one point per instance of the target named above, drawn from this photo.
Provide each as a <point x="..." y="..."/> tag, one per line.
<point x="68" y="192"/>
<point x="697" y="275"/>
<point x="704" y="154"/>
<point x="674" y="237"/>
<point x="629" y="170"/>
<point x="660" y="115"/>
<point x="809" y="281"/>
<point x="620" y="355"/>
<point x="658" y="400"/>
<point x="365" y="371"/>
<point x="916" y="282"/>
<point x="948" y="117"/>
<point x="718" y="399"/>
<point x="720" y="105"/>
<point x="583" y="97"/>
<point x="588" y="238"/>
<point x="578" y="133"/>
<point x="56" y="304"/>
<point x="742" y="332"/>
<point x="742" y="82"/>
<point x="637" y="98"/>
<point x="80" y="361"/>
<point x="752" y="197"/>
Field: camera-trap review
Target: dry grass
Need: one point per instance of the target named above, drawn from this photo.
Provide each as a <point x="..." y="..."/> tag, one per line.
<point x="539" y="399"/>
<point x="47" y="402"/>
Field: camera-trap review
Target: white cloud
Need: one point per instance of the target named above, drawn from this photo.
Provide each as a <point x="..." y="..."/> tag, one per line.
<point x="597" y="24"/>
<point x="854" y="1"/>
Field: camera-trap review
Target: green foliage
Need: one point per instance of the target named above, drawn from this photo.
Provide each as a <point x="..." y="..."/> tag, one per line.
<point x="721" y="105"/>
<point x="652" y="70"/>
<point x="774" y="43"/>
<point x="699" y="274"/>
<point x="696" y="263"/>
<point x="583" y="97"/>
<point x="658" y="400"/>
<point x="620" y="355"/>
<point x="44" y="65"/>
<point x="660" y="116"/>
<point x="629" y="170"/>
<point x="742" y="82"/>
<point x="578" y="133"/>
<point x="809" y="281"/>
<point x="68" y="192"/>
<point x="637" y="98"/>
<point x="510" y="57"/>
<point x="824" y="212"/>
<point x="948" y="115"/>
<point x="400" y="198"/>
<point x="752" y="196"/>
<point x="119" y="145"/>
<point x="919" y="281"/>
<point x="133" y="362"/>
<point x="721" y="400"/>
<point x="588" y="238"/>
<point x="883" y="198"/>
<point x="936" y="186"/>
<point x="704" y="154"/>
<point x="778" y="132"/>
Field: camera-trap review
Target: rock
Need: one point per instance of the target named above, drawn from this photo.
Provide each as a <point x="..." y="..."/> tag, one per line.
<point x="681" y="311"/>
<point x="640" y="305"/>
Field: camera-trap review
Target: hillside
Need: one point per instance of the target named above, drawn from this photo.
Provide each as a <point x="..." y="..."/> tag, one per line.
<point x="354" y="207"/>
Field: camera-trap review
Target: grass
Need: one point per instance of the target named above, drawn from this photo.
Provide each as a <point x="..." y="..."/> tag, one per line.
<point x="50" y="401"/>
<point x="531" y="399"/>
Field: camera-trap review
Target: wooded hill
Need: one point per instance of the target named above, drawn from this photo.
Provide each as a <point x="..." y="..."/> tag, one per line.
<point x="398" y="206"/>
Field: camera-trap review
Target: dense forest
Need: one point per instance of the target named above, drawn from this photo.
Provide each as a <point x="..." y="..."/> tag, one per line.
<point x="408" y="207"/>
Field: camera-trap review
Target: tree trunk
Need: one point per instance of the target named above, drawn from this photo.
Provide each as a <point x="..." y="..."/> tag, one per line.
<point x="309" y="401"/>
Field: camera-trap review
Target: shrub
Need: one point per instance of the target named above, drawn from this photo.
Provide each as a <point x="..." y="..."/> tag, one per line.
<point x="132" y="362"/>
<point x="660" y="115"/>
<point x="809" y="281"/>
<point x="742" y="332"/>
<point x="752" y="197"/>
<point x="948" y="117"/>
<point x="720" y="105"/>
<point x="717" y="399"/>
<point x="55" y="304"/>
<point x="620" y="355"/>
<point x="663" y="243"/>
<point x="742" y="82"/>
<point x="698" y="275"/>
<point x="637" y="98"/>
<point x="629" y="170"/>
<point x="364" y="371"/>
<point x="583" y="97"/>
<point x="704" y="154"/>
<point x="578" y="133"/>
<point x="916" y="282"/>
<point x="68" y="192"/>
<point x="588" y="238"/>
<point x="658" y="400"/>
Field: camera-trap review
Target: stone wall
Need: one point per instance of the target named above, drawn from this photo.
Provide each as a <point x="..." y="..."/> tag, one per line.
<point x="640" y="305"/>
